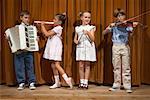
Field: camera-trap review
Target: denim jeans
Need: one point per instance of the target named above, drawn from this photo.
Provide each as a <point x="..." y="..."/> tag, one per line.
<point x="24" y="67"/>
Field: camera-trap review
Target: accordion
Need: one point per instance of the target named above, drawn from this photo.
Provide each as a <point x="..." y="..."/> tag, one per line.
<point x="22" y="37"/>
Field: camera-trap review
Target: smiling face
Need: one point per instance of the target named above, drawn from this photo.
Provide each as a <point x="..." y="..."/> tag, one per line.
<point x="25" y="19"/>
<point x="86" y="18"/>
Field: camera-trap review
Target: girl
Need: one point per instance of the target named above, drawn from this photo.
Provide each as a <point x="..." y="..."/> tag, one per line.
<point x="85" y="49"/>
<point x="53" y="50"/>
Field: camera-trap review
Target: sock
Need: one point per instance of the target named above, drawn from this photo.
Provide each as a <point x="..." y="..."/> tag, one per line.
<point x="65" y="77"/>
<point x="56" y="77"/>
<point x="86" y="81"/>
<point x="82" y="81"/>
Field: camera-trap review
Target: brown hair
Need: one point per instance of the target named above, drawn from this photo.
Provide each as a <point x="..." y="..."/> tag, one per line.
<point x="24" y="12"/>
<point x="62" y="17"/>
<point x="81" y="13"/>
<point x="119" y="11"/>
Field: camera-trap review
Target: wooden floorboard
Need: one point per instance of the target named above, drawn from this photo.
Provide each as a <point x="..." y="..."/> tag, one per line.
<point x="64" y="93"/>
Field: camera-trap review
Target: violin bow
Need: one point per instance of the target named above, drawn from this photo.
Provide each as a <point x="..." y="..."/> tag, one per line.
<point x="132" y="18"/>
<point x="138" y="15"/>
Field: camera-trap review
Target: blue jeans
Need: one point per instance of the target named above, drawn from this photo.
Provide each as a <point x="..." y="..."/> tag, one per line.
<point x="24" y="63"/>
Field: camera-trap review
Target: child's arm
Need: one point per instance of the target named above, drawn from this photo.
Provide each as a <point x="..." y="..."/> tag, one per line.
<point x="76" y="39"/>
<point x="130" y="28"/>
<point x="90" y="34"/>
<point x="108" y="29"/>
<point x="47" y="33"/>
<point x="5" y="36"/>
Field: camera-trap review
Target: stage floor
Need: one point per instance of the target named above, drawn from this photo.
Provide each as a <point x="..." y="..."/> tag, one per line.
<point x="64" y="93"/>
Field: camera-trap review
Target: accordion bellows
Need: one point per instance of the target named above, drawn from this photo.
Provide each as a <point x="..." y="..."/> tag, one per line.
<point x="22" y="38"/>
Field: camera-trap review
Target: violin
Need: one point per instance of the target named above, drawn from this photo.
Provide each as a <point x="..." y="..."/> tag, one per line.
<point x="124" y="24"/>
<point x="129" y="23"/>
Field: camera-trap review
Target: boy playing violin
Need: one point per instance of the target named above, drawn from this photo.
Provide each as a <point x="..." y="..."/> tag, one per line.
<point x="121" y="50"/>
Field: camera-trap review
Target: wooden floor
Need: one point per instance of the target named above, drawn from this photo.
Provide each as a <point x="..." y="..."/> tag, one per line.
<point x="64" y="93"/>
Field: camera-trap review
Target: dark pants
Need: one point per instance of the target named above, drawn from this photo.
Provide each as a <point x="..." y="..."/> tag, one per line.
<point x="24" y="63"/>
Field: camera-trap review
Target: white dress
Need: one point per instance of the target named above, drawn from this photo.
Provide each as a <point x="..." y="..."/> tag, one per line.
<point x="85" y="50"/>
<point x="53" y="49"/>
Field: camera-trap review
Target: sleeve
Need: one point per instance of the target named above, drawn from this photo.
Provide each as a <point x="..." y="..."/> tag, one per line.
<point x="111" y="30"/>
<point x="129" y="28"/>
<point x="57" y="30"/>
<point x="93" y="28"/>
<point x="76" y="29"/>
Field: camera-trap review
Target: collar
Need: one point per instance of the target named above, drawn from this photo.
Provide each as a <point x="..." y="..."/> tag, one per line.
<point x="24" y="24"/>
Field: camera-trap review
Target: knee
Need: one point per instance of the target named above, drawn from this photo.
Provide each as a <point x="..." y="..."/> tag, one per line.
<point x="81" y="65"/>
<point x="87" y="64"/>
<point x="87" y="67"/>
<point x="52" y="65"/>
<point x="57" y="64"/>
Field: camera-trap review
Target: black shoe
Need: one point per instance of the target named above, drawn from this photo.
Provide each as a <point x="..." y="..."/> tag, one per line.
<point x="86" y="86"/>
<point x="81" y="86"/>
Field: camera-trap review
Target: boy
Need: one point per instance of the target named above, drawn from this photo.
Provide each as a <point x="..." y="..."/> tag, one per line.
<point x="121" y="50"/>
<point x="23" y="60"/>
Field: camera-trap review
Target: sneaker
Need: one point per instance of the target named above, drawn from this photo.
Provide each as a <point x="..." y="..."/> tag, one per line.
<point x="21" y="86"/>
<point x="54" y="86"/>
<point x="69" y="82"/>
<point x="129" y="91"/>
<point x="114" y="88"/>
<point x="32" y="86"/>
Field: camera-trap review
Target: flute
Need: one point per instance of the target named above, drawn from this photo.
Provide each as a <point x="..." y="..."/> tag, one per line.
<point x="45" y="22"/>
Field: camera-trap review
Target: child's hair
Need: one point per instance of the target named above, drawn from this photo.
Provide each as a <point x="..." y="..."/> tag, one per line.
<point x="79" y="22"/>
<point x="61" y="17"/>
<point x="119" y="11"/>
<point x="81" y="13"/>
<point x="24" y="12"/>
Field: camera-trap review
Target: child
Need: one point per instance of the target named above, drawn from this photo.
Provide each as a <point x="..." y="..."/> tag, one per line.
<point x="120" y="33"/>
<point x="85" y="49"/>
<point x="23" y="60"/>
<point x="53" y="50"/>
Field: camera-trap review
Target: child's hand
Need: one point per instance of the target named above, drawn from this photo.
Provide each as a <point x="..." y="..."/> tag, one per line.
<point x="42" y="23"/>
<point x="112" y="25"/>
<point x="135" y="24"/>
<point x="85" y="32"/>
<point x="108" y="28"/>
<point x="37" y="38"/>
